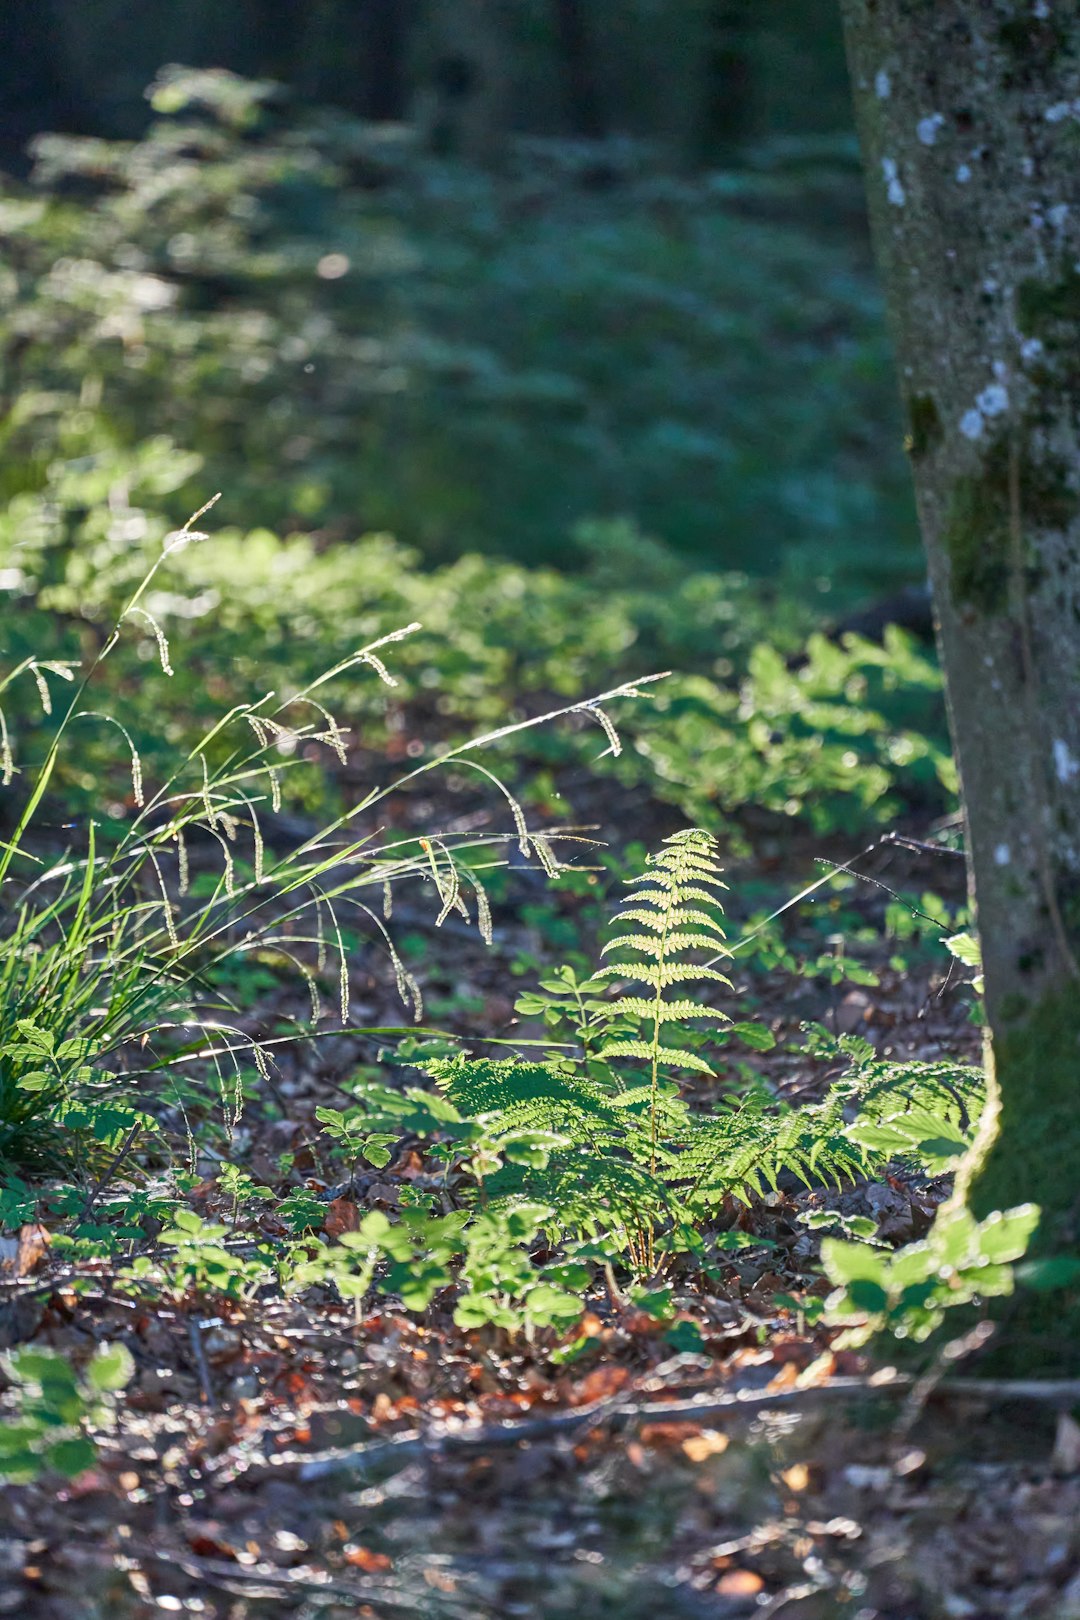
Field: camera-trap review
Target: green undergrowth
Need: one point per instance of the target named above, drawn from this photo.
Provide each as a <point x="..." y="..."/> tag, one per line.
<point x="593" y="1160"/>
<point x="758" y="715"/>
<point x="115" y="952"/>
<point x="352" y="339"/>
<point x="356" y="336"/>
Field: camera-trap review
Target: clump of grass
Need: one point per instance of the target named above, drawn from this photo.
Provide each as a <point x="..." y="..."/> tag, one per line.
<point x="109" y="956"/>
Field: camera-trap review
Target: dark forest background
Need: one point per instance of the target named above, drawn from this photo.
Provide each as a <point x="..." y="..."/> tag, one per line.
<point x="703" y="76"/>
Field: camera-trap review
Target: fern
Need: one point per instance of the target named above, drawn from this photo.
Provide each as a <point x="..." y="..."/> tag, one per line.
<point x="667" y="907"/>
<point x="921" y="1113"/>
<point x="605" y="1139"/>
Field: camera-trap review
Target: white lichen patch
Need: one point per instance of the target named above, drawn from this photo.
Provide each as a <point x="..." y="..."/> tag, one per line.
<point x="1031" y="348"/>
<point x="882" y="85"/>
<point x="994" y="400"/>
<point x="963" y="174"/>
<point x="927" y="128"/>
<point x="1066" y="766"/>
<point x="894" y="188"/>
<point x="1002" y="855"/>
<point x="1061" y="110"/>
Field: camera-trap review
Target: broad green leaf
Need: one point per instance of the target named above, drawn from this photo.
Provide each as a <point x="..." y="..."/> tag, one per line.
<point x="852" y="1262"/>
<point x="112" y="1368"/>
<point x="71" y="1457"/>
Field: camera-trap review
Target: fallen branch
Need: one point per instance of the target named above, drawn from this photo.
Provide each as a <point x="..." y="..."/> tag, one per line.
<point x="620" y="1413"/>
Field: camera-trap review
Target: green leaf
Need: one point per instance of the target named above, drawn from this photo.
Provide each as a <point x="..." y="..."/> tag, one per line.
<point x="568" y="1275"/>
<point x="655" y="1302"/>
<point x="685" y="1337"/>
<point x="1056" y="1271"/>
<point x="867" y="1295"/>
<point x="20" y="1467"/>
<point x="478" y="1310"/>
<point x="1005" y="1235"/>
<point x="846" y="1263"/>
<point x="965" y="947"/>
<point x="71" y="1457"/>
<point x="418" y="1282"/>
<point x="910" y="1266"/>
<point x="112" y="1368"/>
<point x="35" y="1080"/>
<point x="18" y="1437"/>
<point x="547" y="1304"/>
<point x="42" y="1367"/>
<point x="935" y="1149"/>
<point x="757" y="1036"/>
<point x="376" y="1149"/>
<point x="954" y="1237"/>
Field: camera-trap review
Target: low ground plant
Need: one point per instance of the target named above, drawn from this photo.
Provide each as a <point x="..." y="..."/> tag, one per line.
<point x="603" y="1150"/>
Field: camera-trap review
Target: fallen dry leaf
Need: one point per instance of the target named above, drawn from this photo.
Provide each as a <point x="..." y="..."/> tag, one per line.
<point x="34" y="1240"/>
<point x="709" y="1443"/>
<point x="786" y="1378"/>
<point x="363" y="1558"/>
<point x="740" y="1583"/>
<point x="342" y="1215"/>
<point x="598" y="1384"/>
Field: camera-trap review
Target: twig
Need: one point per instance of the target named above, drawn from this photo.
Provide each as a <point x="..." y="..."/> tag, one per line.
<point x="109" y="1171"/>
<point x="198" y="1350"/>
<point x="619" y="1414"/>
<point x="616" y="1413"/>
<point x="263" y="1580"/>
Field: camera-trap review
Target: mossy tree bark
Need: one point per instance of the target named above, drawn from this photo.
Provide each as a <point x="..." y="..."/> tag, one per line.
<point x="969" y="117"/>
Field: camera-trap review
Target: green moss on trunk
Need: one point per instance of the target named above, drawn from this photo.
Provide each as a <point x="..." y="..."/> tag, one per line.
<point x="976" y="534"/>
<point x="1035" y="1157"/>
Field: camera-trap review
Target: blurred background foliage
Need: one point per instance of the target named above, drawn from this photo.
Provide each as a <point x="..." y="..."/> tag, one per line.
<point x="574" y="302"/>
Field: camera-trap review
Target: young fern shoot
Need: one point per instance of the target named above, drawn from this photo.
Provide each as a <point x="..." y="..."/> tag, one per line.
<point x="672" y="911"/>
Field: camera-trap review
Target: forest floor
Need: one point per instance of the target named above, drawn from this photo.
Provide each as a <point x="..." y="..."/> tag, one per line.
<point x="276" y="1457"/>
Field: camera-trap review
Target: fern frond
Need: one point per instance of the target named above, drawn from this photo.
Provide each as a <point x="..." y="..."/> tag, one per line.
<point x="667" y="945"/>
<point x="924" y="1113"/>
<point x="665" y="881"/>
<point x="661" y="974"/>
<point x="670" y="1012"/>
<point x="669" y="917"/>
<point x="672" y="1056"/>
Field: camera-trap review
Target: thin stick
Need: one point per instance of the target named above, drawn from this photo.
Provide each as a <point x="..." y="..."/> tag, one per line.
<point x="198" y="1350"/>
<point x="109" y="1171"/>
<point x="622" y="1414"/>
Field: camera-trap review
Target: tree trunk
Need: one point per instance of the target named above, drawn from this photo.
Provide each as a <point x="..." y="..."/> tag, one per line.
<point x="731" y="93"/>
<point x="969" y="117"/>
<point x="579" y="70"/>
